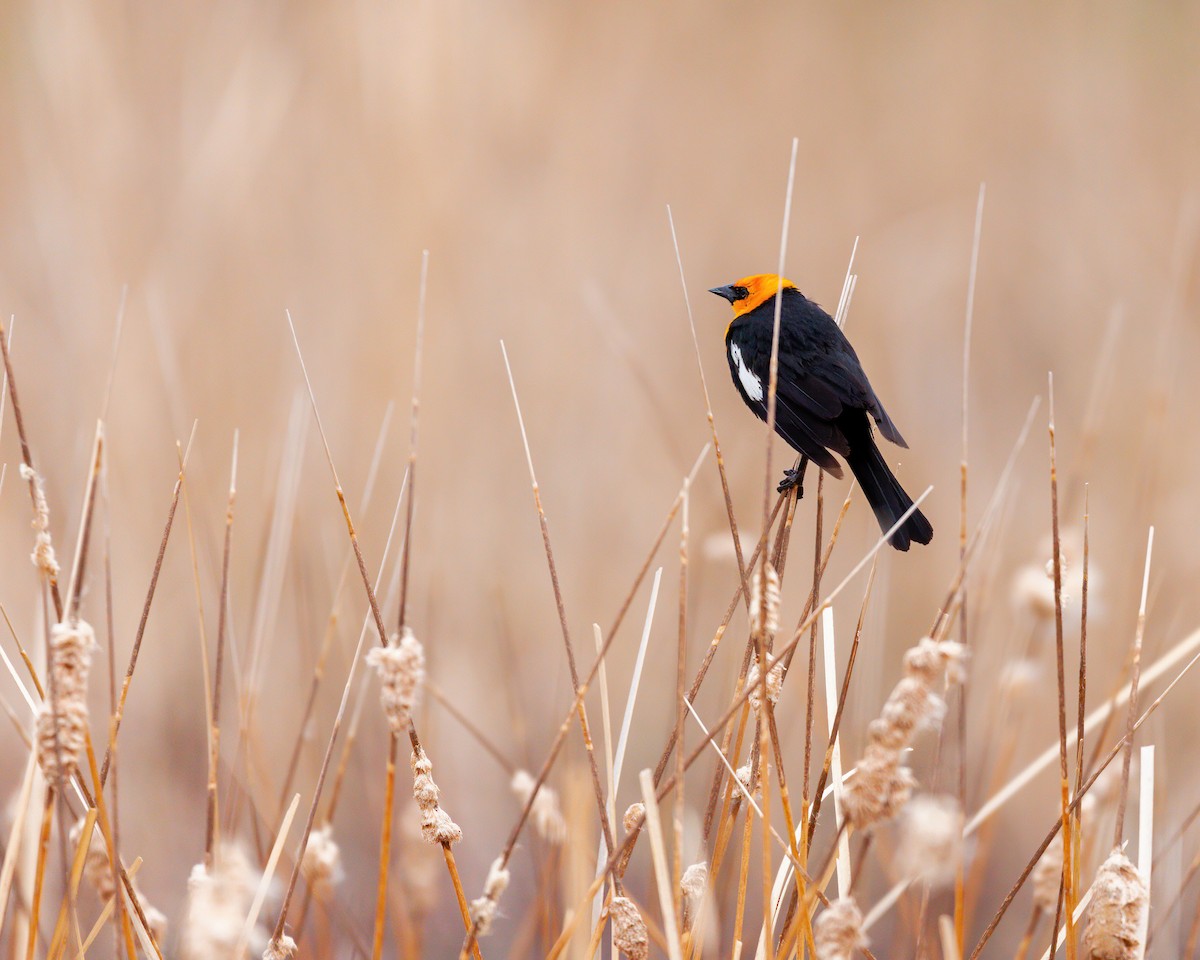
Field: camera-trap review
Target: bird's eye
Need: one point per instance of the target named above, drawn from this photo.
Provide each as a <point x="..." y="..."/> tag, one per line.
<point x="740" y="293"/>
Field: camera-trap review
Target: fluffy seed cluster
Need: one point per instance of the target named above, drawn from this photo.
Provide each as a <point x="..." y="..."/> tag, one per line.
<point x="931" y="839"/>
<point x="217" y="904"/>
<point x="282" y="949"/>
<point x="97" y="870"/>
<point x="436" y="825"/>
<point x="883" y="784"/>
<point x="634" y="815"/>
<point x="483" y="910"/>
<point x="838" y="932"/>
<point x="322" y="862"/>
<point x="774" y="682"/>
<point x="401" y="669"/>
<point x="629" y="929"/>
<point x="693" y="884"/>
<point x="1117" y="915"/>
<point x="70" y="661"/>
<point x="43" y="550"/>
<point x="744" y="777"/>
<point x="545" y="812"/>
<point x="764" y="601"/>
<point x="1047" y="877"/>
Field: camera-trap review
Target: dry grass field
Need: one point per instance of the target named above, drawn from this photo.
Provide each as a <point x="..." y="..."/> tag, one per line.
<point x="175" y="180"/>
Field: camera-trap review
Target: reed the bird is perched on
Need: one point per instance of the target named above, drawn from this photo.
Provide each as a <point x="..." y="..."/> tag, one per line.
<point x="824" y="403"/>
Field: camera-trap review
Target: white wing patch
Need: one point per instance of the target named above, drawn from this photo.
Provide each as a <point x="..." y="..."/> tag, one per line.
<point x="750" y="383"/>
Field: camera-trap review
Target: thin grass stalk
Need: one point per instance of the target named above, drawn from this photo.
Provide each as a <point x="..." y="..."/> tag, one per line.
<point x="141" y="628"/>
<point x="1139" y="633"/>
<point x="743" y="576"/>
<point x="214" y="754"/>
<point x="1068" y="873"/>
<point x="27" y="458"/>
<point x="680" y="710"/>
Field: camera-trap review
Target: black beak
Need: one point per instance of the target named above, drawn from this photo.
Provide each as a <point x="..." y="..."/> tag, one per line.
<point x="728" y="292"/>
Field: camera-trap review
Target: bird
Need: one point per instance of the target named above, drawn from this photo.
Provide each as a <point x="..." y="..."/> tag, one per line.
<point x="824" y="403"/>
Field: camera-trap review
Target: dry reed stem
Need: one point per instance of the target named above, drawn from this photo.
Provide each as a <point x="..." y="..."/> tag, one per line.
<point x="49" y="570"/>
<point x="335" y="606"/>
<point x="13" y="846"/>
<point x="277" y="939"/>
<point x="662" y="871"/>
<point x="1139" y="633"/>
<point x="680" y="668"/>
<point x="578" y="688"/>
<point x="212" y="826"/>
<point x="402" y="617"/>
<point x="1068" y="842"/>
<point x="141" y="628"/>
<point x="712" y="424"/>
<point x="106" y="911"/>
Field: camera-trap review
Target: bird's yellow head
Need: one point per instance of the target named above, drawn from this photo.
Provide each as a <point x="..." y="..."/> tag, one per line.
<point x="749" y="293"/>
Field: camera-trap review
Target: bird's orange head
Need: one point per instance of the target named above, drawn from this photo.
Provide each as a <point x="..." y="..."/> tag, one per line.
<point x="749" y="293"/>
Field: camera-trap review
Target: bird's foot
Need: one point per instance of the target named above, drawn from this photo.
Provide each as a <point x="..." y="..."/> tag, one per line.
<point x="792" y="478"/>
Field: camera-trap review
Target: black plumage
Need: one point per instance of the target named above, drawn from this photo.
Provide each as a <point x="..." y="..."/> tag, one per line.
<point x="824" y="401"/>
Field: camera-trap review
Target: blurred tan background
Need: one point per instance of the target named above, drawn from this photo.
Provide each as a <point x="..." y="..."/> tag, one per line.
<point x="225" y="162"/>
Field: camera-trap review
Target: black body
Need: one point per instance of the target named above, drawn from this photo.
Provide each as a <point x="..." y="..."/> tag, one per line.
<point x="824" y="402"/>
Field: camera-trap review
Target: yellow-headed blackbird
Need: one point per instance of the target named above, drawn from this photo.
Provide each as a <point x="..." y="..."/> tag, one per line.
<point x="822" y="399"/>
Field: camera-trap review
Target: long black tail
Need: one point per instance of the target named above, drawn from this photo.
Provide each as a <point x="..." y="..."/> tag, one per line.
<point x="885" y="495"/>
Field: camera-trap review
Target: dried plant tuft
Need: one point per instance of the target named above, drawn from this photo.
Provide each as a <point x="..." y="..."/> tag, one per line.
<point x="546" y="812"/>
<point x="322" y="863"/>
<point x="1119" y="902"/>
<point x="483" y="909"/>
<point x="282" y="949"/>
<point x="43" y="551"/>
<point x="1047" y="877"/>
<point x="401" y="669"/>
<point x="693" y="884"/>
<point x="629" y="929"/>
<point x="634" y="815"/>
<point x="436" y="825"/>
<point x="764" y="603"/>
<point x="838" y="932"/>
<point x="931" y="839"/>
<point x="71" y="646"/>
<point x="774" y="682"/>
<point x="218" y="902"/>
<point x="883" y="784"/>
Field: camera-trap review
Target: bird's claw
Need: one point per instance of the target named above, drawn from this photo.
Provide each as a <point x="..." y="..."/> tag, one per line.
<point x="792" y="478"/>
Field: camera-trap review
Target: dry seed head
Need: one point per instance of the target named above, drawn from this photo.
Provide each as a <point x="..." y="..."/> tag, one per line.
<point x="483" y="910"/>
<point x="634" y="814"/>
<point x="43" y="551"/>
<point x="931" y="842"/>
<point x="879" y="789"/>
<point x="1047" y="877"/>
<point x="629" y="929"/>
<point x="1117" y="915"/>
<point x="401" y="669"/>
<point x="217" y="904"/>
<point x="282" y="949"/>
<point x="693" y="885"/>
<point x="838" y="932"/>
<point x="774" y="682"/>
<point x="744" y="777"/>
<point x="322" y="862"/>
<point x="546" y="814"/>
<point x="764" y="603"/>
<point x="70" y="661"/>
<point x="436" y="825"/>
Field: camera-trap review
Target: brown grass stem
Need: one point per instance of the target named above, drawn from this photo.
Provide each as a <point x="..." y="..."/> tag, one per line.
<point x="402" y="617"/>
<point x="1139" y="633"/>
<point x="214" y="740"/>
<point x="145" y="617"/>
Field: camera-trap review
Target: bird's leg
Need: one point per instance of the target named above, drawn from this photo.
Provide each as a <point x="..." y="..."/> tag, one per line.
<point x="794" y="478"/>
